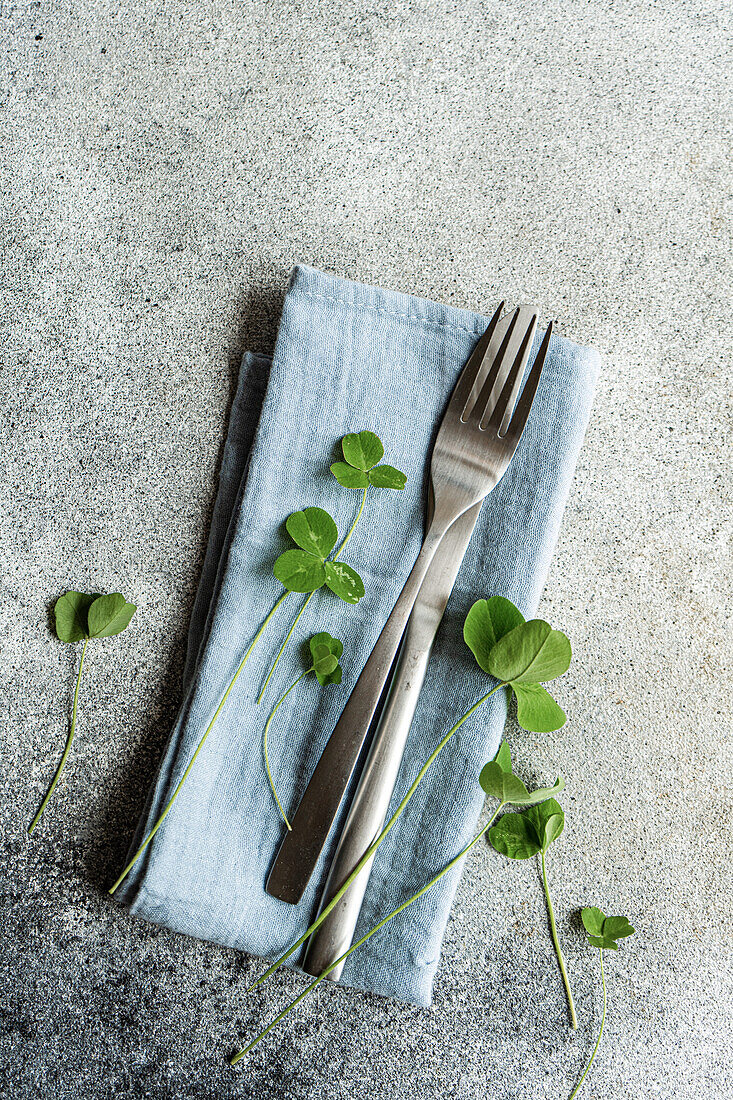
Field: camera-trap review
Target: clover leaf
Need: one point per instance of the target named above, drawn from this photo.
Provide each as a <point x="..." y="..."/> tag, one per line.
<point x="87" y="616"/>
<point x="520" y="654"/>
<point x="324" y="653"/>
<point x="603" y="931"/>
<point x="486" y="623"/>
<point x="527" y="833"/>
<point x="306" y="569"/>
<point x="362" y="451"/>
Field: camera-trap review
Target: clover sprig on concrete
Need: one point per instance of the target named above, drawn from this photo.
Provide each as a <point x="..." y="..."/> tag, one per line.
<point x="83" y="616"/>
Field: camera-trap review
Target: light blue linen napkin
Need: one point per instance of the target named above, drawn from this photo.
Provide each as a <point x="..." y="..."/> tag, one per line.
<point x="347" y="357"/>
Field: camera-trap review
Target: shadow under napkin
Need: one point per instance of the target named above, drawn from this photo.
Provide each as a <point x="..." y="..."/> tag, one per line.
<point x="347" y="357"/>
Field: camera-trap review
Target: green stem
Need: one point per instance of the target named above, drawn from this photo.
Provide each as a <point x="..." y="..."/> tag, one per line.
<point x="556" y="942"/>
<point x="264" y="744"/>
<point x="375" y="843"/>
<point x="351" y="529"/>
<point x="69" y="739"/>
<point x="198" y="749"/>
<point x="282" y="647"/>
<point x="310" y="597"/>
<point x="576" y="1090"/>
<point x="289" y="1008"/>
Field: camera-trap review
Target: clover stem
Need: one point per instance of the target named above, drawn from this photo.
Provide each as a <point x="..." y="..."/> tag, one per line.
<point x="308" y="600"/>
<point x="375" y="843"/>
<point x="576" y="1090"/>
<point x="264" y="744"/>
<point x="282" y="647"/>
<point x="289" y="1008"/>
<point x="67" y="749"/>
<point x="556" y="942"/>
<point x="198" y="749"/>
<point x="351" y="529"/>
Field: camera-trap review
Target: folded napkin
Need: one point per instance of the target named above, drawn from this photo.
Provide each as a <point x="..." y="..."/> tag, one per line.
<point x="347" y="357"/>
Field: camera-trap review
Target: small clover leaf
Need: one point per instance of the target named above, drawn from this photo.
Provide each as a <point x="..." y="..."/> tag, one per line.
<point x="387" y="477"/>
<point x="313" y="530"/>
<point x="349" y="476"/>
<point x="71" y="611"/>
<point x="109" y="615"/>
<point x="593" y="919"/>
<point x="530" y="653"/>
<point x="537" y="711"/>
<point x="299" y="571"/>
<point x="82" y="615"/>
<point x="344" y="581"/>
<point x="362" y="450"/>
<point x="325" y="652"/>
<point x="514" y="836"/>
<point x="487" y="623"/>
<point x="603" y="931"/>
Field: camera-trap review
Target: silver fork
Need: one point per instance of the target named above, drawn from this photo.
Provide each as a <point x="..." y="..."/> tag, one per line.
<point x="478" y="435"/>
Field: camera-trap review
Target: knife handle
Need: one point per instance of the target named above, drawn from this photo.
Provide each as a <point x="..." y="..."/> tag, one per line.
<point x="371" y="802"/>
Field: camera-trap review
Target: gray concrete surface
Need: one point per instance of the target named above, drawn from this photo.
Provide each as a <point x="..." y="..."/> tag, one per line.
<point x="163" y="167"/>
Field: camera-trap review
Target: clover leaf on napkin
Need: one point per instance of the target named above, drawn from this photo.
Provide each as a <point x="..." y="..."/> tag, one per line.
<point x="324" y="653"/>
<point x="306" y="569"/>
<point x="362" y="451"/>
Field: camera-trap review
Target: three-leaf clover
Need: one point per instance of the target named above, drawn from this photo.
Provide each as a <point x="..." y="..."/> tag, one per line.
<point x="82" y="615"/>
<point x="307" y="568"/>
<point x="362" y="451"/>
<point x="603" y="932"/>
<point x="521" y="835"/>
<point x="325" y="652"/>
<point x="522" y="655"/>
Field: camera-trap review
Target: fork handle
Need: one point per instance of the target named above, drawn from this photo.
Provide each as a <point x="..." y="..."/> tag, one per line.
<point x="311" y="824"/>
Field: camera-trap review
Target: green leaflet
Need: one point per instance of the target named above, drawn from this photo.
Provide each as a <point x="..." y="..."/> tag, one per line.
<point x="71" y="612"/>
<point x="509" y="788"/>
<point x="299" y="571"/>
<point x="486" y="623"/>
<point x="349" y="476"/>
<point x="362" y="449"/>
<point x="312" y="529"/>
<point x="536" y="709"/>
<point x="109" y="615"/>
<point x="530" y="653"/>
<point x="344" y="581"/>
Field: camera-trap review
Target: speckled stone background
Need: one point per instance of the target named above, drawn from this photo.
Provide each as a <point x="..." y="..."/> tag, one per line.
<point x="163" y="167"/>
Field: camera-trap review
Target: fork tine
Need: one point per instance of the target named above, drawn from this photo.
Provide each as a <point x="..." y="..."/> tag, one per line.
<point x="507" y="397"/>
<point x="517" y="422"/>
<point x="478" y="409"/>
<point x="472" y="369"/>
